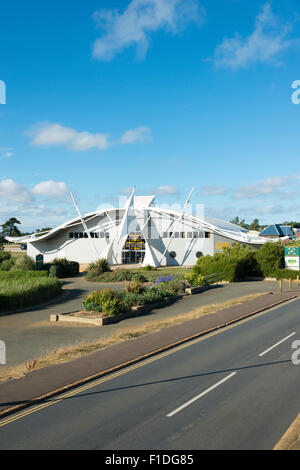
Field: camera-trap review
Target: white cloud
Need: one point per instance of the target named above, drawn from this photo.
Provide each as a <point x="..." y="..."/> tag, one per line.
<point x="139" y="134"/>
<point x="212" y="190"/>
<point x="53" y="134"/>
<point x="52" y="189"/>
<point x="166" y="190"/>
<point x="12" y="191"/>
<point x="134" y="25"/>
<point x="6" y="153"/>
<point x="265" y="44"/>
<point x="264" y="188"/>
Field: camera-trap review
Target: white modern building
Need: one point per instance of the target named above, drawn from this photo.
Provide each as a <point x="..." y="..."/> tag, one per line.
<point x="139" y="233"/>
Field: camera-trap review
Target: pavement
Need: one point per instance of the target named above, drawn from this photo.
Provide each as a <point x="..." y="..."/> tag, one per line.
<point x="29" y="334"/>
<point x="44" y="383"/>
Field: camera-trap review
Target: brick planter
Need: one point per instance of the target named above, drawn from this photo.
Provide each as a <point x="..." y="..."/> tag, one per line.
<point x="135" y="311"/>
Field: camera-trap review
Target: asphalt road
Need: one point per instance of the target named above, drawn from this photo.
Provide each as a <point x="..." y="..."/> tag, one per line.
<point x="228" y="390"/>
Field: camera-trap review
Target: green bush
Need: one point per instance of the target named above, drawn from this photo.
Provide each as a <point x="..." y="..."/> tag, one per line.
<point x="66" y="268"/>
<point x="130" y="299"/>
<point x="7" y="265"/>
<point x="270" y="258"/>
<point x="55" y="271"/>
<point x="24" y="263"/>
<point x="148" y="268"/>
<point x="92" y="306"/>
<point x="195" y="279"/>
<point x="97" y="268"/>
<point x="112" y="307"/>
<point x="99" y="297"/>
<point x="236" y="263"/>
<point x="138" y="277"/>
<point x="285" y="274"/>
<point x="135" y="287"/>
<point x="4" y="255"/>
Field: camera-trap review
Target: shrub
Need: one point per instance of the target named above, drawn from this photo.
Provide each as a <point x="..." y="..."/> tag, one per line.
<point x="54" y="271"/>
<point x="286" y="274"/>
<point x="92" y="306"/>
<point x="24" y="263"/>
<point x="112" y="307"/>
<point x="148" y="268"/>
<point x="130" y="299"/>
<point x="4" y="255"/>
<point x="97" y="268"/>
<point x="236" y="263"/>
<point x="99" y="297"/>
<point x="7" y="265"/>
<point x="135" y="287"/>
<point x="270" y="258"/>
<point x="66" y="268"/>
<point x="195" y="279"/>
<point x="138" y="277"/>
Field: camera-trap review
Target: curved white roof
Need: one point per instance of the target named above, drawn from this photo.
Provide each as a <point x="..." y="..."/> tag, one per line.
<point x="145" y="203"/>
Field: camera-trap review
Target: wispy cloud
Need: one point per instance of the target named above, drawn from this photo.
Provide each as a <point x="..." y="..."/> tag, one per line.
<point x="139" y="134"/>
<point x="133" y="26"/>
<point x="213" y="190"/>
<point x="6" y="153"/>
<point x="54" y="134"/>
<point x="265" y="44"/>
<point x="269" y="186"/>
<point x="166" y="190"/>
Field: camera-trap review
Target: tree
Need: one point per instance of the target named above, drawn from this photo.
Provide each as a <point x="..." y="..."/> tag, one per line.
<point x="44" y="229"/>
<point x="239" y="222"/>
<point x="10" y="229"/>
<point x="254" y="225"/>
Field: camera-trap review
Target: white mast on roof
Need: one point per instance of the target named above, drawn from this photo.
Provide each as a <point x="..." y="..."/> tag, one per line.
<point x="178" y="221"/>
<point x="84" y="225"/>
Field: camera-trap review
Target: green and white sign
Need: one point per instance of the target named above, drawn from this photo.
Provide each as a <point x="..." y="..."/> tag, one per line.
<point x="292" y="257"/>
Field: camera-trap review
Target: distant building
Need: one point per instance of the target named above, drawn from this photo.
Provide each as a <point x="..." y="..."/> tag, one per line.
<point x="277" y="231"/>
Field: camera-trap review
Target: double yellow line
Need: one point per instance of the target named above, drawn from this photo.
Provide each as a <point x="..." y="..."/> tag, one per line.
<point x="94" y="383"/>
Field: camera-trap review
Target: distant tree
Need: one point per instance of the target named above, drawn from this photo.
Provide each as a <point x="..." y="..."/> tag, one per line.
<point x="254" y="225"/>
<point x="293" y="224"/>
<point x="44" y="229"/>
<point x="239" y="222"/>
<point x="10" y="229"/>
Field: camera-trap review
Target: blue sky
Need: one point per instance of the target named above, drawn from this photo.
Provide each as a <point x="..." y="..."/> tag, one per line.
<point x="161" y="94"/>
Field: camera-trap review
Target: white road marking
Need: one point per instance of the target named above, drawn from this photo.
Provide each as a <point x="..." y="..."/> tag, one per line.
<point x="200" y="395"/>
<point x="279" y="342"/>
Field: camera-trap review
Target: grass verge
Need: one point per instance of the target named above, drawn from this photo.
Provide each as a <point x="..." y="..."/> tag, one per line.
<point x="68" y="353"/>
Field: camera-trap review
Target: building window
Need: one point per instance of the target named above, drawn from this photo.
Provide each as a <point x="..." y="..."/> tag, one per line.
<point x="189" y="235"/>
<point x="207" y="234"/>
<point x="172" y="254"/>
<point x="176" y="234"/>
<point x="199" y="254"/>
<point x="71" y="235"/>
<point x="165" y="235"/>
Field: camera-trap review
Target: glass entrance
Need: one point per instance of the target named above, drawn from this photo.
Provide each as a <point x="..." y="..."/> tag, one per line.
<point x="134" y="249"/>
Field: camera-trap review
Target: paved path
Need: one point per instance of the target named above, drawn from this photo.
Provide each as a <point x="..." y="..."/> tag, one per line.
<point x="30" y="334"/>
